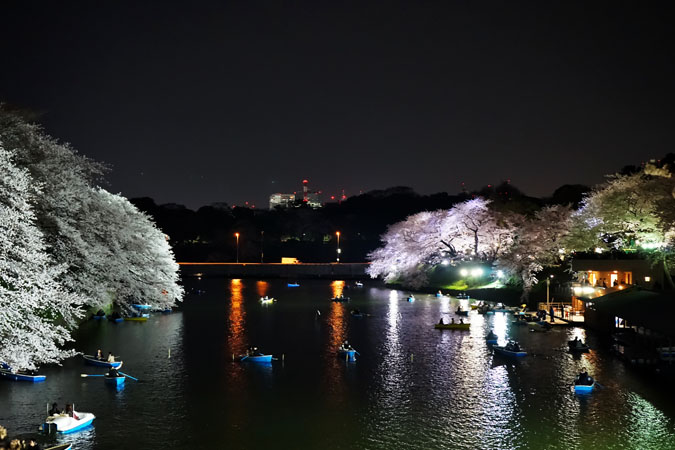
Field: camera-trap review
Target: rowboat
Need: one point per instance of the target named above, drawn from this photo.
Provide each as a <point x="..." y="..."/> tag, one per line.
<point x="474" y="306"/>
<point x="98" y="317"/>
<point x="348" y="353"/>
<point x="20" y="376"/>
<point x="293" y="284"/>
<point x="63" y="423"/>
<point x="358" y="284"/>
<point x="666" y="353"/>
<point x="583" y="388"/>
<point x="356" y="313"/>
<point x="266" y="300"/>
<point x="141" y="307"/>
<point x="114" y="380"/>
<point x="142" y="318"/>
<point x="491" y="338"/>
<point x="452" y="326"/>
<point x="341" y="298"/>
<point x="578" y="346"/>
<point x="115" y="319"/>
<point x="503" y="351"/>
<point x="89" y="359"/>
<point x="258" y="358"/>
<point x="461" y="312"/>
<point x="60" y="447"/>
<point x="411" y="298"/>
<point x="539" y="326"/>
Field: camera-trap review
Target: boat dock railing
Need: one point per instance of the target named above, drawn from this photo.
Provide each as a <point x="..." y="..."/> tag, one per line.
<point x="563" y="311"/>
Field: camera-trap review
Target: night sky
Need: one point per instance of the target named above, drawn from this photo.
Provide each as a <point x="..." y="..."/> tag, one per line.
<point x="196" y="102"/>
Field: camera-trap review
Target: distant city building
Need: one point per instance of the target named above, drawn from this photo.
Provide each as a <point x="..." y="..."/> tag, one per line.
<point x="282" y="200"/>
<point x="311" y="199"/>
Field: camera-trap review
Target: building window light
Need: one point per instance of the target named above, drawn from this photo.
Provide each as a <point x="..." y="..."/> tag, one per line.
<point x="648" y="279"/>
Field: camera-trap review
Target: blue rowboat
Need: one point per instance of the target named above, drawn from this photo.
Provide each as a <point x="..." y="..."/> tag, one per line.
<point x="63" y="423"/>
<point x="61" y="447"/>
<point x="91" y="360"/>
<point x="584" y="388"/>
<point x="98" y="317"/>
<point x="347" y="353"/>
<point x="116" y="319"/>
<point x="114" y="381"/>
<point x="505" y="352"/>
<point x="411" y="299"/>
<point x="6" y="373"/>
<point x="256" y="358"/>
<point x="141" y="307"/>
<point x="293" y="285"/>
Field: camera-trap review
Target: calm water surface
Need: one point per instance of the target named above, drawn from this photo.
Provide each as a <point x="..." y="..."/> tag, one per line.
<point x="412" y="387"/>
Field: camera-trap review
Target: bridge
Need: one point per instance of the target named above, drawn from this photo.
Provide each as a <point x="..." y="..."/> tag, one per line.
<point x="275" y="270"/>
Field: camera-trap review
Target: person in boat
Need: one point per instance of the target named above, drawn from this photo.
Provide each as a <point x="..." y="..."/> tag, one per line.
<point x="54" y="410"/>
<point x="32" y="444"/>
<point x="70" y="411"/>
<point x="99" y="354"/>
<point x="491" y="335"/>
<point x="452" y="321"/>
<point x="440" y="322"/>
<point x="100" y="313"/>
<point x="584" y="379"/>
<point x="111" y="357"/>
<point x="461" y="321"/>
<point x="575" y="342"/>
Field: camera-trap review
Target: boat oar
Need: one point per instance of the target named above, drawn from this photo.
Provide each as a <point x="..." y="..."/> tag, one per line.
<point x="129" y="376"/>
<point x="85" y="375"/>
<point x="243" y="357"/>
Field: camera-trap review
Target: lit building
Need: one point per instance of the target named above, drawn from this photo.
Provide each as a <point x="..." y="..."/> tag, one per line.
<point x="311" y="199"/>
<point x="282" y="200"/>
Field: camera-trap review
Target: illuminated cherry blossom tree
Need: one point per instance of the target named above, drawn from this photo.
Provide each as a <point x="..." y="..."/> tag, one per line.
<point x="111" y="251"/>
<point x="468" y="231"/>
<point x="36" y="312"/>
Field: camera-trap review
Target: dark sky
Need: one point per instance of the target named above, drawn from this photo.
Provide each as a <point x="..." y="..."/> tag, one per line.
<point x="199" y="102"/>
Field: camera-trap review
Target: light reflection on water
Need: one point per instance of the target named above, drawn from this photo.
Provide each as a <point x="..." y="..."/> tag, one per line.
<point x="412" y="387"/>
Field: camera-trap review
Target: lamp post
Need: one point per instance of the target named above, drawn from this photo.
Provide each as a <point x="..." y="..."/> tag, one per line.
<point x="236" y="235"/>
<point x="337" y="233"/>
<point x="548" y="285"/>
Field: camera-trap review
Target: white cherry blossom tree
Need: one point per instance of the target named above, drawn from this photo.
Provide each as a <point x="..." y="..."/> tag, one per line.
<point x="36" y="312"/>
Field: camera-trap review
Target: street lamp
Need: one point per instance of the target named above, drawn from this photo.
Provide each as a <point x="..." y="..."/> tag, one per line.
<point x="236" y="235"/>
<point x="337" y="233"/>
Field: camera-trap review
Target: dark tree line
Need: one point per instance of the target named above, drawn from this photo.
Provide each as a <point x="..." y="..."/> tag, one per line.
<point x="309" y="234"/>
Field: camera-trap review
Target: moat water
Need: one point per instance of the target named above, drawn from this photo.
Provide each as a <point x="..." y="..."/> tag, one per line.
<point x="411" y="387"/>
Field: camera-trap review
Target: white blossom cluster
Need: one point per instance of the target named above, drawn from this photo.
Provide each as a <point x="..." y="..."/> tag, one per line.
<point x="636" y="211"/>
<point x="67" y="244"/>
